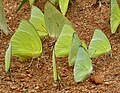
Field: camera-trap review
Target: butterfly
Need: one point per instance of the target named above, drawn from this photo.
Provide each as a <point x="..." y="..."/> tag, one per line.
<point x="115" y="16"/>
<point x="63" y="43"/>
<point x="54" y="20"/>
<point x="25" y="43"/>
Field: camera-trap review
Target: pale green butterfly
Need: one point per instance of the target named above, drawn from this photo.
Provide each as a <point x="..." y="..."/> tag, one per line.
<point x="26" y="42"/>
<point x="76" y="42"/>
<point x="37" y="20"/>
<point x="73" y="49"/>
<point x="63" y="4"/>
<point x="8" y="55"/>
<point x="54" y="20"/>
<point x="55" y="73"/>
<point x="3" y="23"/>
<point x="83" y="65"/>
<point x="31" y="2"/>
<point x="115" y="16"/>
<point x="99" y="44"/>
<point x="63" y="43"/>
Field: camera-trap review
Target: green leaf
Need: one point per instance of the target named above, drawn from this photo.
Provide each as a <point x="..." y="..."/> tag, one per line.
<point x="115" y="16"/>
<point x="56" y="76"/>
<point x="63" y="4"/>
<point x="26" y="42"/>
<point x="37" y="20"/>
<point x="63" y="44"/>
<point x="22" y="3"/>
<point x="8" y="58"/>
<point x="73" y="50"/>
<point x="3" y="23"/>
<point x="99" y="44"/>
<point x="31" y="2"/>
<point x="83" y="65"/>
<point x="54" y="20"/>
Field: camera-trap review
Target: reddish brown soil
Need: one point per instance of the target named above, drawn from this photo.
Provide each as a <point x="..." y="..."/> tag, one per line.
<point x="86" y="15"/>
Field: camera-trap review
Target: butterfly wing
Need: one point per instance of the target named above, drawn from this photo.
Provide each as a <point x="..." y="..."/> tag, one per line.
<point x="62" y="46"/>
<point x="26" y="42"/>
<point x="37" y="20"/>
<point x="73" y="50"/>
<point x="8" y="55"/>
<point x="3" y="23"/>
<point x="115" y="16"/>
<point x="83" y="65"/>
<point x="31" y="2"/>
<point x="99" y="44"/>
<point x="63" y="4"/>
<point x="54" y="20"/>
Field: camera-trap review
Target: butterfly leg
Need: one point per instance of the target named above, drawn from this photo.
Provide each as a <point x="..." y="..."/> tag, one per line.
<point x="71" y="2"/>
<point x="38" y="62"/>
<point x="31" y="63"/>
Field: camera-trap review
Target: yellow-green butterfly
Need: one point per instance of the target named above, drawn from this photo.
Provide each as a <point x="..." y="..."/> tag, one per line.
<point x="31" y="2"/>
<point x="3" y="24"/>
<point x="99" y="44"/>
<point x="83" y="65"/>
<point x="37" y="20"/>
<point x="74" y="49"/>
<point x="63" y="4"/>
<point x="115" y="16"/>
<point x="8" y="55"/>
<point x="55" y="73"/>
<point x="26" y="42"/>
<point x="63" y="43"/>
<point x="54" y="20"/>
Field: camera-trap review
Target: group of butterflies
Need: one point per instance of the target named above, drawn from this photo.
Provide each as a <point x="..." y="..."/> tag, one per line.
<point x="27" y="41"/>
<point x="63" y="4"/>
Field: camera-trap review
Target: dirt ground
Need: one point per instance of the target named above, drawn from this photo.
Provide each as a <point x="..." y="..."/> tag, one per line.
<point x="86" y="15"/>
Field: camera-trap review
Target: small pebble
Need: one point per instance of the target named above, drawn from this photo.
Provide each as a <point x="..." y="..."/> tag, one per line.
<point x="97" y="79"/>
<point x="7" y="79"/>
